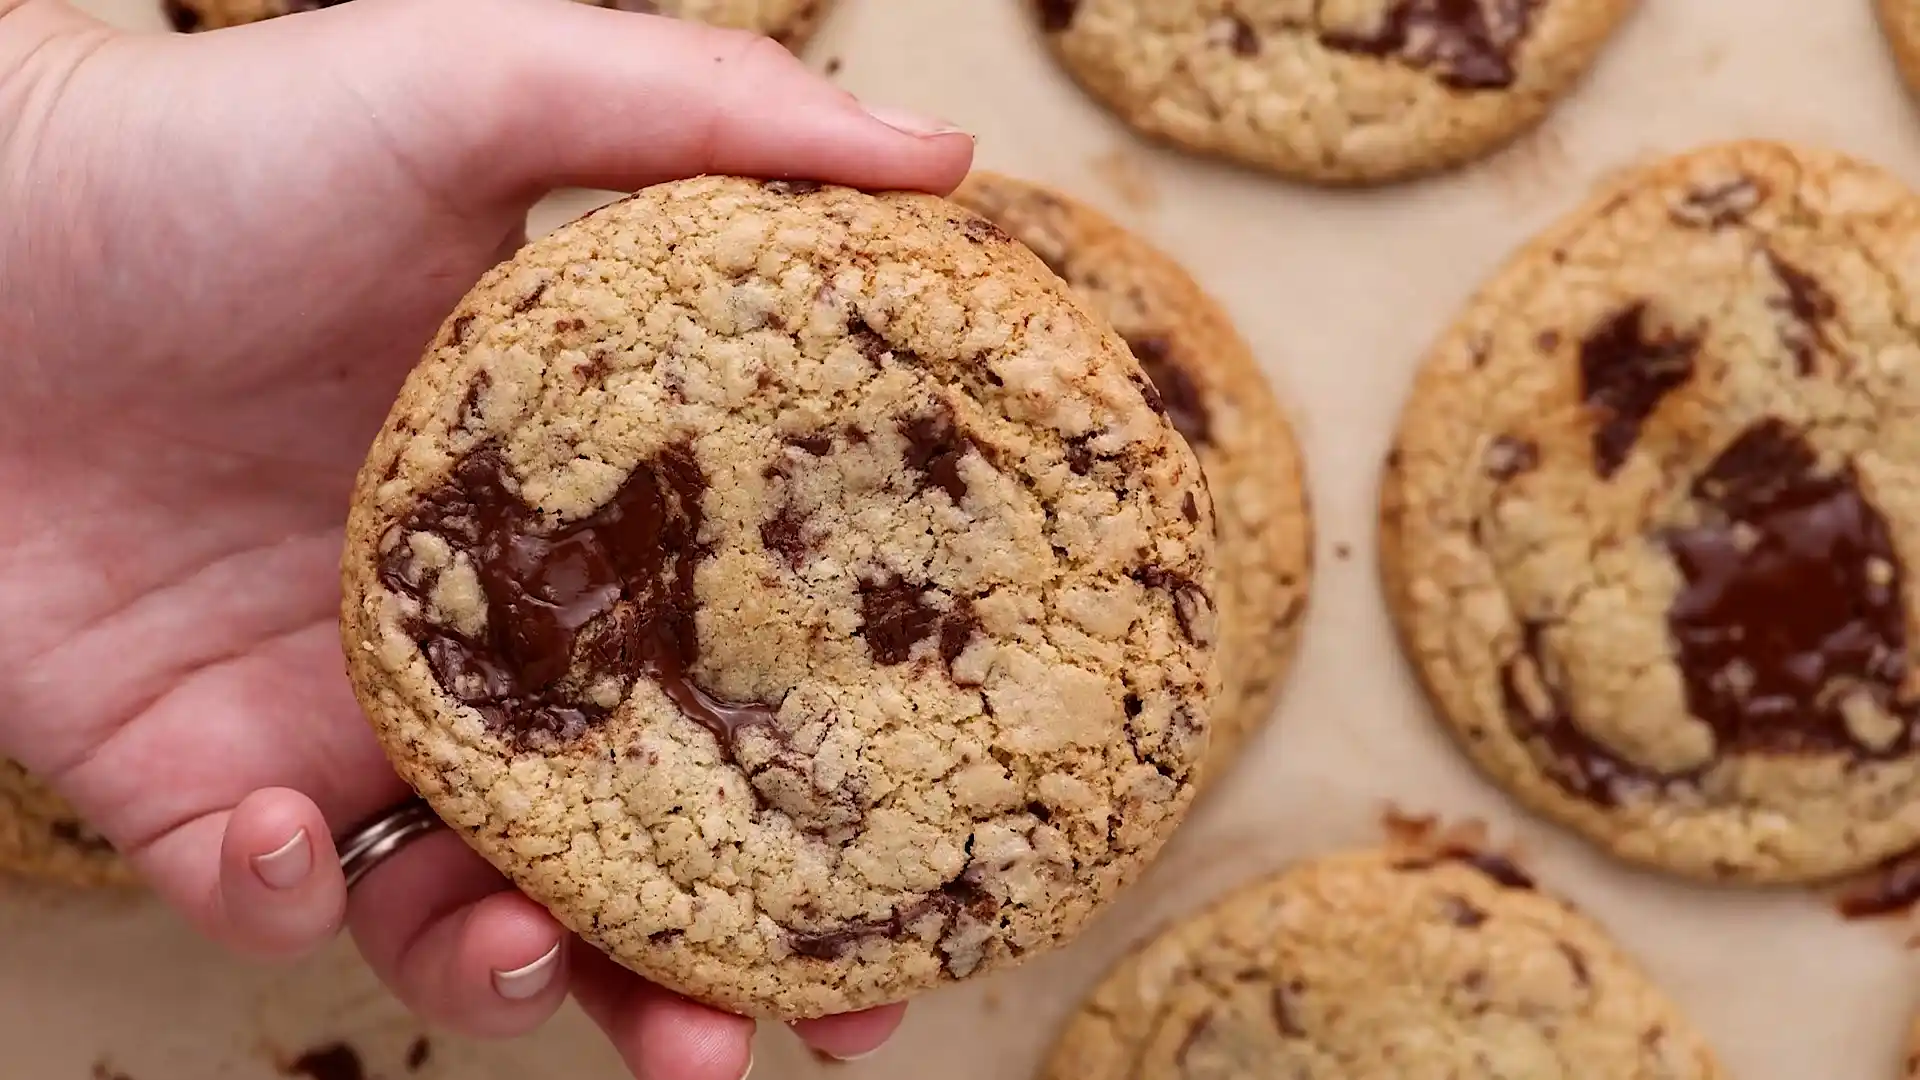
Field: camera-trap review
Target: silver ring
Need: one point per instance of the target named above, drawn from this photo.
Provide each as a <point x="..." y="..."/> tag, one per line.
<point x="379" y="840"/>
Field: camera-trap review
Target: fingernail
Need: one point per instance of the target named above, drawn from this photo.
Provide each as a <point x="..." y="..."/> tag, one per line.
<point x="287" y="865"/>
<point x="850" y="1058"/>
<point x="528" y="982"/>
<point x="749" y="1071"/>
<point x="913" y="123"/>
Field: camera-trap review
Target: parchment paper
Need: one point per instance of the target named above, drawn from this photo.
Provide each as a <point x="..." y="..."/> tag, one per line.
<point x="1340" y="292"/>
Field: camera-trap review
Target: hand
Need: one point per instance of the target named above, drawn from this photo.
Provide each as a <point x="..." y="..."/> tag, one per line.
<point x="219" y="255"/>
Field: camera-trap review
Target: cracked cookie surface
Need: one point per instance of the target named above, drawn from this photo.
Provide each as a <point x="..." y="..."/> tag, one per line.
<point x="1221" y="403"/>
<point x="794" y="589"/>
<point x="791" y="22"/>
<point x="1335" y="91"/>
<point x="42" y="837"/>
<point x="1382" y="965"/>
<point x="1648" y="525"/>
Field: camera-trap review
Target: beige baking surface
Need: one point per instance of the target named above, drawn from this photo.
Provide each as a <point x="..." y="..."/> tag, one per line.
<point x="1340" y="293"/>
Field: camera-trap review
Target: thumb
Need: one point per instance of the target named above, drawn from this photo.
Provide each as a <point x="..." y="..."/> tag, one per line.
<point x="539" y="94"/>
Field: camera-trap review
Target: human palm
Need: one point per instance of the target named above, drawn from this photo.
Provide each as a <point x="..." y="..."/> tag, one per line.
<point x="219" y="257"/>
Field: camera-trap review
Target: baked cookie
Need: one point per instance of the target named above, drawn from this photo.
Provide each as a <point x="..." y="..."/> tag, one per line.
<point x="1379" y="965"/>
<point x="1900" y="22"/>
<point x="790" y="22"/>
<point x="1648" y="522"/>
<point x="42" y="837"/>
<point x="794" y="589"/>
<point x="1337" y="91"/>
<point x="1221" y="402"/>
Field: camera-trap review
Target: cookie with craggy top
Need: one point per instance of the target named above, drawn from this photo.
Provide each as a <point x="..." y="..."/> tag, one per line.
<point x="1379" y="965"/>
<point x="1648" y="524"/>
<point x="794" y="589"/>
<point x="42" y="837"/>
<point x="791" y="22"/>
<point x="1221" y="402"/>
<point x="1349" y="91"/>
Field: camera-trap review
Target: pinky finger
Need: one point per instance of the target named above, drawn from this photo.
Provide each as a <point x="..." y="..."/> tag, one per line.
<point x="280" y="888"/>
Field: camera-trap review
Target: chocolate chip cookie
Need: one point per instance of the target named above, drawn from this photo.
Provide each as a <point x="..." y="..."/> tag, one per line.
<point x="42" y="837"/>
<point x="1220" y="401"/>
<point x="1648" y="523"/>
<point x="1378" y="965"/>
<point x="790" y="22"/>
<point x="1355" y="91"/>
<point x="794" y="589"/>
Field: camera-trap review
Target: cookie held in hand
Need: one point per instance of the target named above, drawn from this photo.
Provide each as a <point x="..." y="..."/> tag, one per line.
<point x="1221" y="403"/>
<point x="794" y="589"/>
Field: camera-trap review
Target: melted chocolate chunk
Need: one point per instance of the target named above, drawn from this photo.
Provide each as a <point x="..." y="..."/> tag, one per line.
<point x="1625" y="372"/>
<point x="1196" y="1031"/>
<point x="1079" y="457"/>
<point x="1244" y="41"/>
<point x="819" y="443"/>
<point x="1808" y="307"/>
<point x="1893" y="889"/>
<point x="1577" y="963"/>
<point x="334" y="1061"/>
<point x="1057" y="15"/>
<point x="1572" y="758"/>
<point x="961" y="896"/>
<point x="470" y="405"/>
<point x="1188" y="598"/>
<point x="1190" y="509"/>
<point x="935" y="448"/>
<point x="785" y="533"/>
<point x="533" y="298"/>
<point x="1467" y="44"/>
<point x="1508" y="457"/>
<point x="981" y="230"/>
<point x="895" y="617"/>
<point x="615" y="589"/>
<point x="956" y="630"/>
<point x="1179" y="396"/>
<point x="1285" y="1020"/>
<point x="868" y="341"/>
<point x="180" y="16"/>
<point x="1791" y="609"/>
<point x="74" y="834"/>
<point x="1719" y="205"/>
<point x="1498" y="868"/>
<point x="792" y="187"/>
<point x="1463" y="913"/>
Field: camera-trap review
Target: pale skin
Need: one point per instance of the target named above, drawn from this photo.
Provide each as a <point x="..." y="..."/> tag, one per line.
<point x="219" y="255"/>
